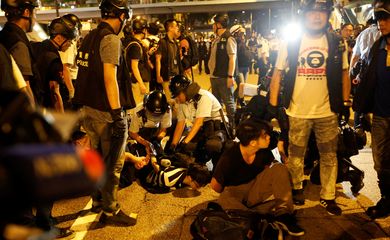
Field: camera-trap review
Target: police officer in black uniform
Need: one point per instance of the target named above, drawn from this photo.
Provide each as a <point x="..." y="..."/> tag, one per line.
<point x="62" y="32"/>
<point x="99" y="88"/>
<point x="20" y="19"/>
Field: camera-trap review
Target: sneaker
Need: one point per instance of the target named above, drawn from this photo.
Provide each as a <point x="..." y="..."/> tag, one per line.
<point x="118" y="219"/>
<point x="331" y="207"/>
<point x="289" y="223"/>
<point x="298" y="197"/>
<point x="380" y="210"/>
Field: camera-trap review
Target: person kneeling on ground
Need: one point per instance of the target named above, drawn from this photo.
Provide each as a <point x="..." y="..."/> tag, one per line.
<point x="248" y="168"/>
<point x="199" y="118"/>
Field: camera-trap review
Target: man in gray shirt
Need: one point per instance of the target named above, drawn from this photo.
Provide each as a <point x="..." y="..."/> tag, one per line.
<point x="97" y="89"/>
<point x="222" y="64"/>
<point x="20" y="19"/>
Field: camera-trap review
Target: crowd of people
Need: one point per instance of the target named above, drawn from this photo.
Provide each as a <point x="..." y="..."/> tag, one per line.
<point x="135" y="91"/>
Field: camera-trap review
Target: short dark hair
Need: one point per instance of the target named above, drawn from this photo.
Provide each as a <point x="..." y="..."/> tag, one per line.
<point x="345" y="25"/>
<point x="168" y="23"/>
<point x="251" y="129"/>
<point x="153" y="28"/>
<point x="199" y="174"/>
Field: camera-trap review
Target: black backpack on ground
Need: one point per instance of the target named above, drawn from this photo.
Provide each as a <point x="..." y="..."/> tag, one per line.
<point x="214" y="223"/>
<point x="193" y="54"/>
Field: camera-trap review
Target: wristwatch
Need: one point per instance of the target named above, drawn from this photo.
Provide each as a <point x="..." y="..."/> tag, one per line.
<point x="230" y="76"/>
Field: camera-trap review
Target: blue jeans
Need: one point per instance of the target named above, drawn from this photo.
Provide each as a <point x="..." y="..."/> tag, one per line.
<point x="380" y="134"/>
<point x="224" y="95"/>
<point x="98" y="126"/>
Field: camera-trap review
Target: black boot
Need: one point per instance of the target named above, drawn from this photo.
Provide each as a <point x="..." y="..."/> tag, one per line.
<point x="380" y="210"/>
<point x="298" y="197"/>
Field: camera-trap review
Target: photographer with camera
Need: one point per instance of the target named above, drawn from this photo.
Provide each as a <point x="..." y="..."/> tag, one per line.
<point x="168" y="59"/>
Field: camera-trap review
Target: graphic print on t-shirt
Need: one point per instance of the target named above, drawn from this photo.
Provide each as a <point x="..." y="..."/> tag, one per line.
<point x="310" y="97"/>
<point x="311" y="63"/>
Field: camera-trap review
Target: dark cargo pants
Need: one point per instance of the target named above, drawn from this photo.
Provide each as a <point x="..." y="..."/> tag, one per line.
<point x="326" y="133"/>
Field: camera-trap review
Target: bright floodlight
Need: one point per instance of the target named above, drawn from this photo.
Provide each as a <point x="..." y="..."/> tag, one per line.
<point x="291" y="31"/>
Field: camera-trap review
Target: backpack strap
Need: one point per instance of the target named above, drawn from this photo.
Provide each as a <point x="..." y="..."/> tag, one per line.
<point x="127" y="49"/>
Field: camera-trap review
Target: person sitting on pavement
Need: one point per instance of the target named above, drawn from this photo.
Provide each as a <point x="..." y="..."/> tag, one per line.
<point x="248" y="173"/>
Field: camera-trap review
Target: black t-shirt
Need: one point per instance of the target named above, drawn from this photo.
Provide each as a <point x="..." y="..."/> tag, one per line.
<point x="232" y="170"/>
<point x="382" y="97"/>
<point x="55" y="70"/>
<point x="136" y="51"/>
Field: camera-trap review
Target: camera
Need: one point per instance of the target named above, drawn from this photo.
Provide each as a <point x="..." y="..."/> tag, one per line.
<point x="38" y="165"/>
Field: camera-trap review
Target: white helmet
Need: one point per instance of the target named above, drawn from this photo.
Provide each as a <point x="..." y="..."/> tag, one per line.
<point x="236" y="29"/>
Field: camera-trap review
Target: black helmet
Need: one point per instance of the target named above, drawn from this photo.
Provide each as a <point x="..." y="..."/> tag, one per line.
<point x="139" y="25"/>
<point x="114" y="8"/>
<point x="382" y="10"/>
<point x="178" y="84"/>
<point x="222" y="18"/>
<point x="62" y="26"/>
<point x="153" y="28"/>
<point x="156" y="102"/>
<point x="15" y="8"/>
<point x="316" y="5"/>
<point x="74" y="19"/>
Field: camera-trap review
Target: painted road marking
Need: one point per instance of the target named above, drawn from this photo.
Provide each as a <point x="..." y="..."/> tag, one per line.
<point x="82" y="223"/>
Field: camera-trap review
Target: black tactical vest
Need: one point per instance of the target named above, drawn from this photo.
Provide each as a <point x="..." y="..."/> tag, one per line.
<point x="6" y="76"/>
<point x="46" y="53"/>
<point x="11" y="35"/>
<point x="334" y="71"/>
<point x="222" y="57"/>
<point x="90" y="89"/>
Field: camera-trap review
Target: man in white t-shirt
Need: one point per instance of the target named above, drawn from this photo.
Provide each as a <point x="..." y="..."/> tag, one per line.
<point x="316" y="87"/>
<point x="198" y="111"/>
